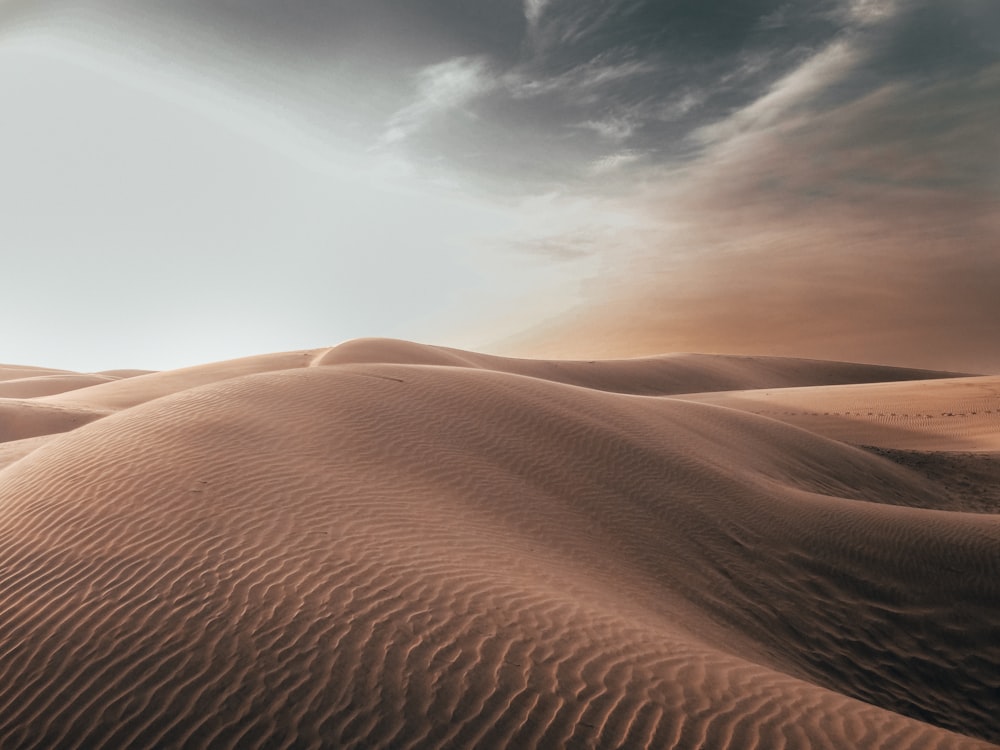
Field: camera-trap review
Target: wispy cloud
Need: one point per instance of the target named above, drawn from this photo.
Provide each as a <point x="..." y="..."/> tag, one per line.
<point x="533" y="10"/>
<point x="586" y="20"/>
<point x="788" y="96"/>
<point x="867" y="12"/>
<point x="441" y="88"/>
<point x="615" y="161"/>
<point x="583" y="80"/>
<point x="612" y="128"/>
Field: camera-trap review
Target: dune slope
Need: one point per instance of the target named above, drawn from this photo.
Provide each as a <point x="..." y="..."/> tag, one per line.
<point x="663" y="375"/>
<point x="418" y="555"/>
<point x="19" y="372"/>
<point x="131" y="391"/>
<point x="949" y="414"/>
<point x="27" y="418"/>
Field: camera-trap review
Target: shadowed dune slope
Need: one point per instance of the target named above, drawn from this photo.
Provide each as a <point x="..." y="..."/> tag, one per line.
<point x="392" y="556"/>
<point x="969" y="481"/>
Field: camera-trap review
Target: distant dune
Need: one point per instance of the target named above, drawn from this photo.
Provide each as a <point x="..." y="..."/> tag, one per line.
<point x="391" y="545"/>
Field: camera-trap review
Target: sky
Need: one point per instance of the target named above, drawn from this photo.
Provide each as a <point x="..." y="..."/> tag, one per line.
<point x="184" y="181"/>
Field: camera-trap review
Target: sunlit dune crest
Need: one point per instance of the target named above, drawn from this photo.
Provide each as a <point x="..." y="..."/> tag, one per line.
<point x="386" y="544"/>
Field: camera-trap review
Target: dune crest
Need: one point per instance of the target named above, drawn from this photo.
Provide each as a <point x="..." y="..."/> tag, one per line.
<point x="662" y="375"/>
<point x="17" y="372"/>
<point x="313" y="550"/>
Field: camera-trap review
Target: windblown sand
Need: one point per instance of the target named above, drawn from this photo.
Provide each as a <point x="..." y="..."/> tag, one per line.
<point x="388" y="545"/>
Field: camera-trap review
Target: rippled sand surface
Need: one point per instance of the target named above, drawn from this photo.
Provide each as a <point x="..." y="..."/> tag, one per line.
<point x="389" y="545"/>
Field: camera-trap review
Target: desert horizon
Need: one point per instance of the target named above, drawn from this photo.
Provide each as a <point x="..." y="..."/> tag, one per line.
<point x="391" y="544"/>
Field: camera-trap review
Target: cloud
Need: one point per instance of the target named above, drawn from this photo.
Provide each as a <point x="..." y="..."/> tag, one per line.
<point x="501" y="86"/>
<point x="583" y="80"/>
<point x="845" y="213"/>
<point x="867" y="12"/>
<point x="615" y="161"/>
<point x="579" y="243"/>
<point x="790" y="94"/>
<point x="533" y="10"/>
<point x="612" y="128"/>
<point x="441" y="88"/>
<point x="779" y="163"/>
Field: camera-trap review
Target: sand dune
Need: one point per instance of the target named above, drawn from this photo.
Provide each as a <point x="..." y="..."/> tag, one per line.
<point x="15" y="450"/>
<point x="652" y="376"/>
<point x="32" y="382"/>
<point x="968" y="481"/>
<point x="315" y="550"/>
<point x="25" y="418"/>
<point x="18" y="372"/>
<point x="123" y="393"/>
<point x="950" y="414"/>
<point x="48" y="385"/>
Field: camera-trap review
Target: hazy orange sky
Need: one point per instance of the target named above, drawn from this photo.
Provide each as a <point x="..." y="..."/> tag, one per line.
<point x="187" y="181"/>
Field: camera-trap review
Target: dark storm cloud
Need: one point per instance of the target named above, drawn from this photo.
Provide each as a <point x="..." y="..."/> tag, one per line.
<point x="596" y="78"/>
<point x="574" y="81"/>
<point x="674" y="29"/>
<point x="851" y="211"/>
<point x="930" y="39"/>
<point x="571" y="83"/>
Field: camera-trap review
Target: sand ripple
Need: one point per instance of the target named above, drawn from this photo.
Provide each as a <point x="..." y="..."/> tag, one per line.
<point x="422" y="555"/>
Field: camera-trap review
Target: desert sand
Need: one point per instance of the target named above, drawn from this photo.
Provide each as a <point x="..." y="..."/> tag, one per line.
<point x="390" y="545"/>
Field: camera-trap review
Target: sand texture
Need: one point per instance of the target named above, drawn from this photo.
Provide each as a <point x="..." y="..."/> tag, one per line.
<point x="388" y="545"/>
<point x="946" y="414"/>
